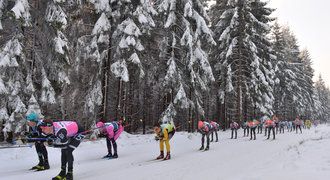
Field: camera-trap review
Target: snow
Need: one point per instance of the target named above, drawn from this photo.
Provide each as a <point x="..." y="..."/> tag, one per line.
<point x="9" y="52"/>
<point x="101" y="5"/>
<point x="101" y="25"/>
<point x="94" y="97"/>
<point x="33" y="106"/>
<point x="3" y="89"/>
<point x="2" y="5"/>
<point x="48" y="93"/>
<point x="21" y="11"/>
<point x="54" y="13"/>
<point x="119" y="69"/>
<point x="61" y="43"/>
<point x="181" y="98"/>
<point x="291" y="156"/>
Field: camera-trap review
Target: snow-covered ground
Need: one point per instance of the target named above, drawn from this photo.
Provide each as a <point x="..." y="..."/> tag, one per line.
<point x="291" y="156"/>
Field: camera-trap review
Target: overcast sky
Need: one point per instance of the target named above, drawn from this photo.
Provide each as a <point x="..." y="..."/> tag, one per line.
<point x="310" y="22"/>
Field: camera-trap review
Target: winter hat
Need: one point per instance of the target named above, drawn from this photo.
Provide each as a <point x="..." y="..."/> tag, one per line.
<point x="99" y="124"/>
<point x="46" y="122"/>
<point x="33" y="117"/>
<point x="200" y="124"/>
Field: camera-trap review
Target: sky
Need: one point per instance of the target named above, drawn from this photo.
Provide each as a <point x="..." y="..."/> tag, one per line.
<point x="309" y="20"/>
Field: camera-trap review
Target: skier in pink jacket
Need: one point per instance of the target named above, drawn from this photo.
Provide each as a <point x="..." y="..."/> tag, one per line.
<point x="66" y="135"/>
<point x="112" y="131"/>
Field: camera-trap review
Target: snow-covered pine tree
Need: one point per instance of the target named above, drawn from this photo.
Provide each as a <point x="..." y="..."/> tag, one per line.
<point x="188" y="69"/>
<point x="307" y="83"/>
<point x="13" y="64"/>
<point x="323" y="95"/>
<point x="298" y="89"/>
<point x="244" y="57"/>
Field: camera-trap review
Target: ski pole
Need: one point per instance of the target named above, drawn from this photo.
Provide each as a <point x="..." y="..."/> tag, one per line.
<point x="16" y="146"/>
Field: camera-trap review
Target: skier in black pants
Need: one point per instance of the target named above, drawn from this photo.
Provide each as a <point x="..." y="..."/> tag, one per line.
<point x="233" y="127"/>
<point x="260" y="128"/>
<point x="35" y="132"/>
<point x="270" y="125"/>
<point x="215" y="129"/>
<point x="66" y="135"/>
<point x="298" y="124"/>
<point x="205" y="129"/>
<point x="245" y="128"/>
<point x="253" y="125"/>
<point x="281" y="125"/>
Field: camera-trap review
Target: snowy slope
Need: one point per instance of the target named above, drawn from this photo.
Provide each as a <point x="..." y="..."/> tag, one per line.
<point x="291" y="156"/>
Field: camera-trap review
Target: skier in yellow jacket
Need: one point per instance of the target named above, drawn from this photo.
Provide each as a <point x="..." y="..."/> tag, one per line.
<point x="164" y="133"/>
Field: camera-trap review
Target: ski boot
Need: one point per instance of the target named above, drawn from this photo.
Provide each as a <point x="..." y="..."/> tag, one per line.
<point x="60" y="176"/>
<point x="168" y="156"/>
<point x="161" y="156"/>
<point x="207" y="148"/>
<point x="201" y="148"/>
<point x="115" y="155"/>
<point x="109" y="155"/>
<point x="38" y="166"/>
<point x="45" y="166"/>
<point x="69" y="175"/>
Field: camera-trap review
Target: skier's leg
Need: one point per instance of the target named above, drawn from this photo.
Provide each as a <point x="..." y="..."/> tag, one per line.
<point x="45" y="155"/>
<point x="203" y="138"/>
<point x="216" y="136"/>
<point x="114" y="144"/>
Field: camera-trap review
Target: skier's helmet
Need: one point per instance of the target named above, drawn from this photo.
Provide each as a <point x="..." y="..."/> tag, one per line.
<point x="32" y="117"/>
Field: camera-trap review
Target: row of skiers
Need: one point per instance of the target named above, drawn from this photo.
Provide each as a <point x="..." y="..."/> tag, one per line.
<point x="270" y="125"/>
<point x="67" y="135"/>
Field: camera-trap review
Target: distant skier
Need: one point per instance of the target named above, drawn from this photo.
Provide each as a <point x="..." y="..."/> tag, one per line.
<point x="67" y="136"/>
<point x="233" y="126"/>
<point x="164" y="132"/>
<point x="270" y="125"/>
<point x="261" y="123"/>
<point x="298" y="124"/>
<point x="246" y="128"/>
<point x="281" y="125"/>
<point x="253" y="125"/>
<point x="111" y="131"/>
<point x="308" y="124"/>
<point x="215" y="129"/>
<point x="35" y="131"/>
<point x="205" y="129"/>
<point x="276" y="122"/>
<point x="289" y="126"/>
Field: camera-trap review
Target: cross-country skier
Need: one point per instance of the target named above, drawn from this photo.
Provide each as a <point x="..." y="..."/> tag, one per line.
<point x="35" y="131"/>
<point x="66" y="135"/>
<point x="246" y="128"/>
<point x="164" y="132"/>
<point x="298" y="123"/>
<point x="260" y="125"/>
<point x="308" y="124"/>
<point x="112" y="131"/>
<point x="281" y="125"/>
<point x="253" y="125"/>
<point x="233" y="126"/>
<point x="270" y="125"/>
<point x="215" y="129"/>
<point x="205" y="129"/>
